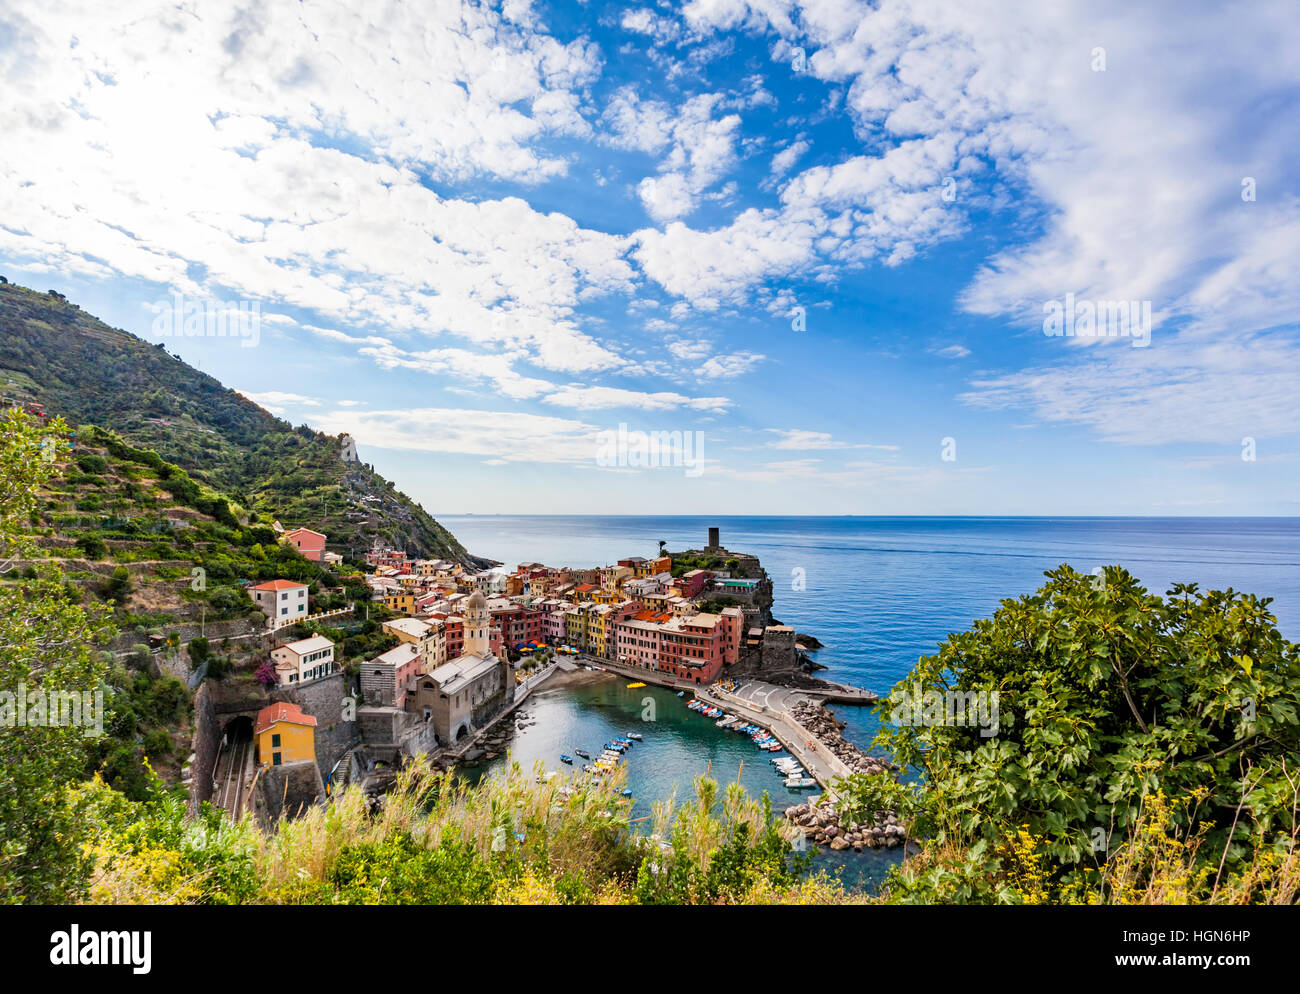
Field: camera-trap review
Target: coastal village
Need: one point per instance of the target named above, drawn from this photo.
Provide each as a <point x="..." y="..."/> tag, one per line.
<point x="470" y="645"/>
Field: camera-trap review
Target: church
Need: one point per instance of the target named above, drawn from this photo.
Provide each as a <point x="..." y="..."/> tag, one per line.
<point x="465" y="693"/>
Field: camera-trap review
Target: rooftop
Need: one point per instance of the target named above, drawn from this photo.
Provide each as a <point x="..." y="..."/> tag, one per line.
<point x="454" y="676"/>
<point x="282" y="711"/>
<point x="313" y="644"/>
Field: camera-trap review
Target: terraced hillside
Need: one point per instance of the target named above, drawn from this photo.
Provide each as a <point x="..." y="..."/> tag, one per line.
<point x="54" y="353"/>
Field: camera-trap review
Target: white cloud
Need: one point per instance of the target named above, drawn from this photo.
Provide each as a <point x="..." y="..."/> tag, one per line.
<point x="785" y="159"/>
<point x="699" y="148"/>
<point x="1136" y="173"/>
<point x="1218" y="392"/>
<point x="643" y="21"/>
<point x="179" y="142"/>
<point x="507" y="436"/>
<point x="952" y="352"/>
<point x="728" y="366"/>
<point x="595" y="398"/>
<point x="803" y="440"/>
<point x="277" y="401"/>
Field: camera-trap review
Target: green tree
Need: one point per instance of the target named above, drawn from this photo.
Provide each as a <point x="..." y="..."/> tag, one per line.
<point x="1109" y="701"/>
<point x="45" y="648"/>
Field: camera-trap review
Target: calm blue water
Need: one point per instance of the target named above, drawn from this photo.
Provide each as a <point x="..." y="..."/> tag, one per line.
<point x="879" y="592"/>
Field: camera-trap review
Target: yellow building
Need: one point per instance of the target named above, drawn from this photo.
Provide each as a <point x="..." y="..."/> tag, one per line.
<point x="403" y="603"/>
<point x="575" y="627"/>
<point x="284" y="734"/>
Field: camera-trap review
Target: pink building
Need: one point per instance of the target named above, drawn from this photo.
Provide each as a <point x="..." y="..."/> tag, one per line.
<point x="553" y="624"/>
<point x="311" y="544"/>
<point x="636" y="640"/>
<point x="733" y="630"/>
<point x="693" y="648"/>
<point x="692" y="583"/>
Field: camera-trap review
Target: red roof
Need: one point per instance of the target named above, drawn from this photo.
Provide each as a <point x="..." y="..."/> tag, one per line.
<point x="584" y="587"/>
<point x="282" y="711"/>
<point x="278" y="585"/>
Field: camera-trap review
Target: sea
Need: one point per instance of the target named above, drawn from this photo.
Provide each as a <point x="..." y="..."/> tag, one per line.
<point x="878" y="592"/>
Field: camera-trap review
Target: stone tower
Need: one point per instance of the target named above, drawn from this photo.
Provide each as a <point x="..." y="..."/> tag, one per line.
<point x="714" y="542"/>
<point x="348" y="449"/>
<point x="476" y="623"/>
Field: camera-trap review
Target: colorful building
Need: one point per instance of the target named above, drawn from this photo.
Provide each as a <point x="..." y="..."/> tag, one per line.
<point x="304" y="660"/>
<point x="310" y="543"/>
<point x="284" y="734"/>
<point x="282" y="601"/>
<point x="692" y="648"/>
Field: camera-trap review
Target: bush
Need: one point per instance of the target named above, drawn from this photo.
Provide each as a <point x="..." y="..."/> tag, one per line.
<point x="92" y="547"/>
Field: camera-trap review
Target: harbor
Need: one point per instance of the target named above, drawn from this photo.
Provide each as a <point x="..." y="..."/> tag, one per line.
<point x="677" y="745"/>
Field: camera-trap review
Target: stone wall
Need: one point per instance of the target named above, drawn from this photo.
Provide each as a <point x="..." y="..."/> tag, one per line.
<point x="324" y="699"/>
<point x="774" y="656"/>
<point x="205" y="745"/>
<point x="291" y="788"/>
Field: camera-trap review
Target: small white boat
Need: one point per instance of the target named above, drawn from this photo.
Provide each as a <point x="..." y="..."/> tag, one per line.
<point x="797" y="782"/>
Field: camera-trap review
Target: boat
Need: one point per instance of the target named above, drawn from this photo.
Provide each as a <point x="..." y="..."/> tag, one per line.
<point x="565" y="758"/>
<point x="634" y="736"/>
<point x="726" y="722"/>
<point x="794" y="783"/>
<point x="681" y="693"/>
<point x="635" y="686"/>
<point x="582" y="752"/>
<point x="627" y="792"/>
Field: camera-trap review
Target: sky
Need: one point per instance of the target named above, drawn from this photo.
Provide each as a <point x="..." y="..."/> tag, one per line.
<point x="834" y="257"/>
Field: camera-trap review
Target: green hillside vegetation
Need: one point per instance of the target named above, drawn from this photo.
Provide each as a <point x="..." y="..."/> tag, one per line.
<point x="54" y="353"/>
<point x="139" y="539"/>
<point x="1147" y="751"/>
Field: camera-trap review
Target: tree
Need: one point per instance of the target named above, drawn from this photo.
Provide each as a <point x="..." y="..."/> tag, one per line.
<point x="119" y="585"/>
<point x="46" y="647"/>
<point x="1099" y="707"/>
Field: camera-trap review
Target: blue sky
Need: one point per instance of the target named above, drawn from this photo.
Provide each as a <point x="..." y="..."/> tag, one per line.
<point x="480" y="236"/>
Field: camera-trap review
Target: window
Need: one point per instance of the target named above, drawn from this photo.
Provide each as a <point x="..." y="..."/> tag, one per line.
<point x="275" y="741"/>
<point x="275" y="759"/>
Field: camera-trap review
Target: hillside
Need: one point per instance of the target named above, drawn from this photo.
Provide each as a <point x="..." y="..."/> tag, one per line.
<point x="54" y="353"/>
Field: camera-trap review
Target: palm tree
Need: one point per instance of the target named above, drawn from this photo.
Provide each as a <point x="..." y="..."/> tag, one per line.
<point x="662" y="544"/>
